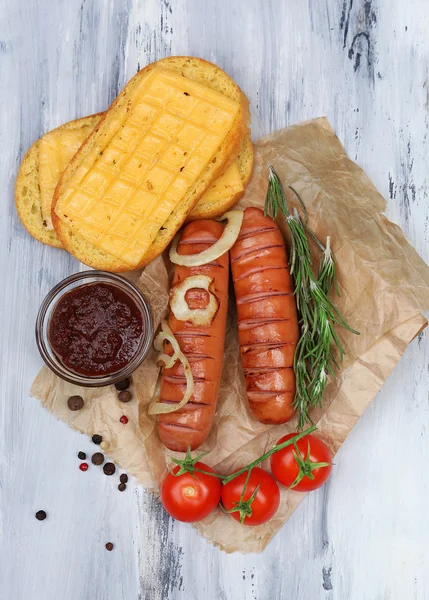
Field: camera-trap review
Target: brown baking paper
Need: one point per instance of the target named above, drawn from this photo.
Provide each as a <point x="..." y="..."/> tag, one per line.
<point x="384" y="288"/>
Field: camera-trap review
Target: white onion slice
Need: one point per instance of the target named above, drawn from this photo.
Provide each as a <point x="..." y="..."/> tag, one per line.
<point x="200" y="317"/>
<point x="158" y="408"/>
<point x="158" y="345"/>
<point x="222" y="245"/>
<point x="167" y="360"/>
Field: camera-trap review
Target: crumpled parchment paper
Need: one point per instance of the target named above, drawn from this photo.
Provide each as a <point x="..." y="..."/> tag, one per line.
<point x="384" y="288"/>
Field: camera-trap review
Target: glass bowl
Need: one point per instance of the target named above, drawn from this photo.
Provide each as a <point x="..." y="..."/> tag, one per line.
<point x="48" y="306"/>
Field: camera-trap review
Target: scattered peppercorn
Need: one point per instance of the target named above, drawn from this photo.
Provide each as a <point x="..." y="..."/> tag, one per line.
<point x="40" y="515"/>
<point x="109" y="468"/>
<point x="109" y="546"/>
<point x="124" y="396"/>
<point x="97" y="458"/>
<point x="104" y="445"/>
<point x="97" y="439"/>
<point x="122" y="385"/>
<point x="122" y="487"/>
<point x="83" y="466"/>
<point x="81" y="455"/>
<point x="123" y="478"/>
<point x="124" y="420"/>
<point x="75" y="402"/>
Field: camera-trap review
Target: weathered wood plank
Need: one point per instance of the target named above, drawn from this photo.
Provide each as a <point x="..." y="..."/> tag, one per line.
<point x="364" y="65"/>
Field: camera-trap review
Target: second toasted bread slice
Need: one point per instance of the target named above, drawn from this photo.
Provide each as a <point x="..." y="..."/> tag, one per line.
<point x="30" y="186"/>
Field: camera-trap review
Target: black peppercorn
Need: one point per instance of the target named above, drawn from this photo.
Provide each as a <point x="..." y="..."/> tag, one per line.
<point x="75" y="402"/>
<point x="109" y="546"/>
<point x="122" y="385"/>
<point x="122" y="487"/>
<point x="81" y="455"/>
<point x="97" y="439"/>
<point x="124" y="396"/>
<point x="97" y="458"/>
<point x="40" y="515"/>
<point x="123" y="478"/>
<point x="109" y="468"/>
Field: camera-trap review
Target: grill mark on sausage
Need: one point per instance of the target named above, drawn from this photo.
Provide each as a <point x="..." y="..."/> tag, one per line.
<point x="192" y="334"/>
<point x="247" y="254"/>
<point x="181" y="379"/>
<point x="251" y="232"/>
<point x="246" y="324"/>
<point x="189" y="403"/>
<point x="257" y="392"/>
<point x="269" y="345"/>
<point x="256" y="270"/>
<point x="197" y="357"/>
<point x="256" y="296"/>
<point x="177" y="427"/>
<point x="197" y="240"/>
<point x="264" y="346"/>
<point x="211" y="264"/>
<point x="261" y="370"/>
<point x="262" y="343"/>
<point x="264" y="395"/>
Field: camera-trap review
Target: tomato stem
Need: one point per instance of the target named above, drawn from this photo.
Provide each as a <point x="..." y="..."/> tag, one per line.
<point x="187" y="465"/>
<point x="207" y="473"/>
<point x="244" y="507"/>
<point x="274" y="449"/>
<point x="305" y="465"/>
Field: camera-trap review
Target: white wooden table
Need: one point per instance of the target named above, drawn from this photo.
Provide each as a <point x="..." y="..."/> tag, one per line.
<point x="364" y="536"/>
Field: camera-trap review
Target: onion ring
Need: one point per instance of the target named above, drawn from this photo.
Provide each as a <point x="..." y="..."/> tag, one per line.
<point x="201" y="317"/>
<point x="222" y="245"/>
<point x="159" y="408"/>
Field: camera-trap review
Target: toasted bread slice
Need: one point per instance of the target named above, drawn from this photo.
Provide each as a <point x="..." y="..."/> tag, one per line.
<point x="28" y="198"/>
<point x="56" y="149"/>
<point x="85" y="221"/>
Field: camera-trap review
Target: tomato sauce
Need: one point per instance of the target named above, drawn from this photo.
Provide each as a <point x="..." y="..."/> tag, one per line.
<point x="96" y="329"/>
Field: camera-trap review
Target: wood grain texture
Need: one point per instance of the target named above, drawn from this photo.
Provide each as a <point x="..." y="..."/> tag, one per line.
<point x="364" y="65"/>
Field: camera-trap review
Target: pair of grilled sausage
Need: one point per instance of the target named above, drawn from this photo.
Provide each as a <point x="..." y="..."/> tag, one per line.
<point x="267" y="327"/>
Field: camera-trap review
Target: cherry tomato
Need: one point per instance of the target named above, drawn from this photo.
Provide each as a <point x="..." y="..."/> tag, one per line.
<point x="190" y="497"/>
<point x="265" y="502"/>
<point x="303" y="470"/>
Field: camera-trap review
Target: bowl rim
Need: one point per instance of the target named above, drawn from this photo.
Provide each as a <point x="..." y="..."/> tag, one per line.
<point x="53" y="297"/>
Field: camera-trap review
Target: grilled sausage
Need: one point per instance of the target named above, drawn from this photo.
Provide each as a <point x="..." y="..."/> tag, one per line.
<point x="203" y="346"/>
<point x="267" y="318"/>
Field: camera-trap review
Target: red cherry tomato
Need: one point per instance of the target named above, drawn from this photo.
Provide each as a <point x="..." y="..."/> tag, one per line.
<point x="190" y="497"/>
<point x="265" y="502"/>
<point x="299" y="470"/>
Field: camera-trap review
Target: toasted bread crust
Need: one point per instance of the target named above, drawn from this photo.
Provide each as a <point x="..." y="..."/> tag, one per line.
<point x="198" y="70"/>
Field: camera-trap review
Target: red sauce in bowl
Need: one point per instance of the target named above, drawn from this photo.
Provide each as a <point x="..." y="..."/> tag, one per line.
<point x="96" y="329"/>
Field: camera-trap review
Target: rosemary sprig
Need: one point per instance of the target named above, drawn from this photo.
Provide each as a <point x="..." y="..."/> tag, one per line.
<point x="315" y="357"/>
